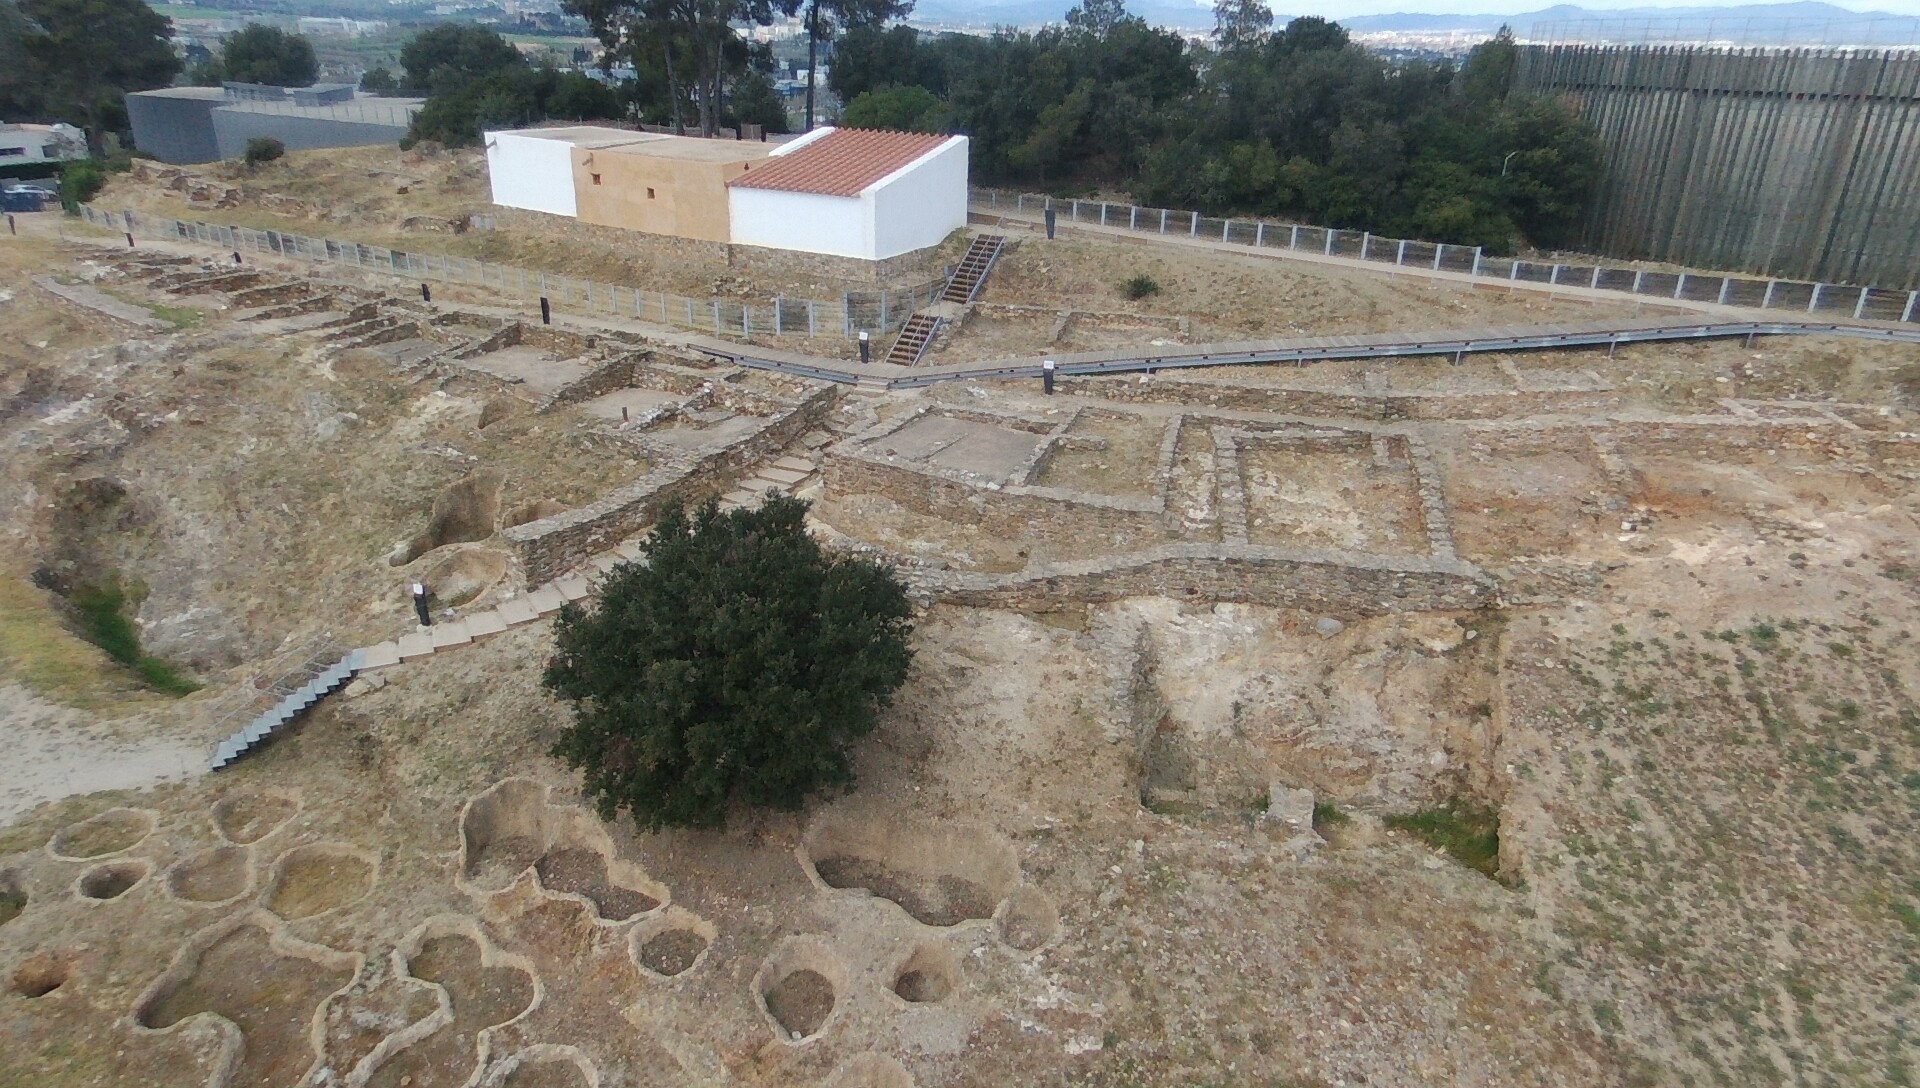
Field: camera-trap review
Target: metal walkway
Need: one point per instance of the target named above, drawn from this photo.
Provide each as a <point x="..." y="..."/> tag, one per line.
<point x="1454" y="343"/>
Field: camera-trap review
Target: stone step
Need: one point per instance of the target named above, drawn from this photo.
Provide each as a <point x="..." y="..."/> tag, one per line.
<point x="380" y="655"/>
<point x="742" y="497"/>
<point x="485" y="623"/>
<point x="547" y="599"/>
<point x="450" y="634"/>
<point x="418" y="644"/>
<point x="573" y="587"/>
<point x="629" y="551"/>
<point x="783" y="476"/>
<point x="794" y="464"/>
<point x="517" y="611"/>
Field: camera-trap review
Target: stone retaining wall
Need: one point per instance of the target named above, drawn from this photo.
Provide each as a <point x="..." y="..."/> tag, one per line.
<point x="551" y="547"/>
<point x="1345" y="584"/>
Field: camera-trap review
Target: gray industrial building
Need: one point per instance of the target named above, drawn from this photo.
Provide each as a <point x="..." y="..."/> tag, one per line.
<point x="203" y="124"/>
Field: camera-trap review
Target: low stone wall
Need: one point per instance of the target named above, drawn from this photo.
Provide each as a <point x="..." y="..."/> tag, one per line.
<point x="1331" y="583"/>
<point x="551" y="547"/>
<point x="1166" y="388"/>
<point x="601" y="380"/>
<point x="1343" y="584"/>
<point x="1014" y="510"/>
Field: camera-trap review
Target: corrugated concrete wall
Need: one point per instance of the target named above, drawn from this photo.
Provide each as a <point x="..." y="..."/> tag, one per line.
<point x="175" y="130"/>
<point x="1796" y="163"/>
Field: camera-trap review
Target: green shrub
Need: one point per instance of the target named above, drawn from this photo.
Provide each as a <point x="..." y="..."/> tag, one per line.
<point x="1467" y="832"/>
<point x="106" y="621"/>
<point x="264" y="149"/>
<point x="734" y="665"/>
<point x="1328" y="815"/>
<point x="1140" y="286"/>
<point x="80" y="181"/>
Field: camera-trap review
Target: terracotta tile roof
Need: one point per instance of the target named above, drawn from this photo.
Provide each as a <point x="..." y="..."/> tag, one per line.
<point x="841" y="163"/>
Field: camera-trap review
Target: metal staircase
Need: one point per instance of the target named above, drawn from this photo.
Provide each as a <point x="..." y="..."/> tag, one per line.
<point x="973" y="268"/>
<point x="914" y="337"/>
<point x="297" y="689"/>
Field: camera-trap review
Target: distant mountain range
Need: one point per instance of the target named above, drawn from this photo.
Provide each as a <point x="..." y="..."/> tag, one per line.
<point x="1807" y="21"/>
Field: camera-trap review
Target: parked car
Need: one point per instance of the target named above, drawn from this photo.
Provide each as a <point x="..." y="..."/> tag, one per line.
<point x="34" y="188"/>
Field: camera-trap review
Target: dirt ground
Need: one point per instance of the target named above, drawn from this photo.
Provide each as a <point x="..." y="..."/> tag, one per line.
<point x="1692" y="712"/>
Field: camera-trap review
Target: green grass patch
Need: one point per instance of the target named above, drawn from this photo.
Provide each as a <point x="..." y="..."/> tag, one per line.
<point x="1327" y="815"/>
<point x="11" y="904"/>
<point x="38" y="649"/>
<point x="1467" y="832"/>
<point x="106" y="621"/>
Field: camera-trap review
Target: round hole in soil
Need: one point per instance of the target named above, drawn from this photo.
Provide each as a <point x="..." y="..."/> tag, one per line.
<point x="672" y="951"/>
<point x="13" y="897"/>
<point x="801" y="1002"/>
<point x="112" y="881"/>
<point x="927" y="976"/>
<point x="39" y="976"/>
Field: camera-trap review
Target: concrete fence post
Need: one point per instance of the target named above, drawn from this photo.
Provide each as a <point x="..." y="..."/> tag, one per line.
<point x="1438" y="249"/>
<point x="1225" y="226"/>
<point x="810" y="319"/>
<point x="1514" y="273"/>
<point x="1814" y="302"/>
<point x="1133" y="217"/>
<point x="1912" y="298"/>
<point x="1366" y="239"/>
<point x="1553" y="277"/>
<point x="1293" y="238"/>
<point x="1330" y="233"/>
<point x="1194" y="230"/>
<point x="1679" y="285"/>
<point x="716" y="317"/>
<point x="1259" y="235"/>
<point x="1476" y="262"/>
<point x="1637" y="277"/>
<point x="1163" y="220"/>
<point x="777" y="326"/>
<point x="1103" y="213"/>
<point x="1861" y="306"/>
<point x="1400" y="255"/>
<point x="1726" y="284"/>
<point x="1766" y="300"/>
<point x="1593" y="281"/>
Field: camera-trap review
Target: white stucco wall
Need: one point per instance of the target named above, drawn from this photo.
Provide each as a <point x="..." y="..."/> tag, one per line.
<point x="532" y="173"/>
<point x="920" y="205"/>
<point x="808" y="222"/>
<point x="914" y="207"/>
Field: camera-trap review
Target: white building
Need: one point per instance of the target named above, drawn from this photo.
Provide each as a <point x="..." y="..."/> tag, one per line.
<point x="31" y="145"/>
<point x="853" y="193"/>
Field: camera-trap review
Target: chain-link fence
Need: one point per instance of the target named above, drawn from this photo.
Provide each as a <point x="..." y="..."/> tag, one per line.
<point x="876" y="311"/>
<point x="1770" y="294"/>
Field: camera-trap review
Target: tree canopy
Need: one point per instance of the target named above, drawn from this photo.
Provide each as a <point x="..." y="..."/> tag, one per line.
<point x="477" y="80"/>
<point x="734" y="664"/>
<point x="76" y="59"/>
<point x="1296" y="121"/>
<point x="257" y="53"/>
<point x="452" y="54"/>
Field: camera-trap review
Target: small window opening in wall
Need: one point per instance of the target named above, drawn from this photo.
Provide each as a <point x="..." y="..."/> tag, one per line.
<point x="649" y="192"/>
<point x="596" y="179"/>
